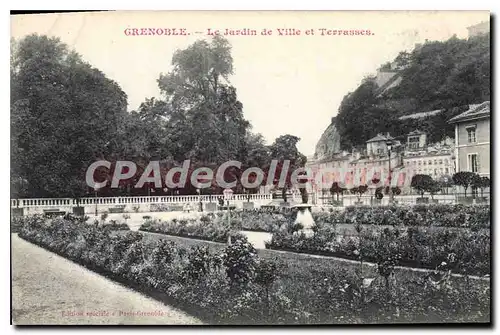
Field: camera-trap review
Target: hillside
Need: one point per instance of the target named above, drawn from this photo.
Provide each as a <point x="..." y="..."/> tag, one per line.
<point x="443" y="76"/>
<point x="329" y="143"/>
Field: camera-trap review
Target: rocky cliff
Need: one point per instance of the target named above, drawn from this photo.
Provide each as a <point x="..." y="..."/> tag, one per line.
<point x="329" y="143"/>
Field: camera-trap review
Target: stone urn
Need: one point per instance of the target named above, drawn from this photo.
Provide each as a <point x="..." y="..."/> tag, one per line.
<point x="305" y="219"/>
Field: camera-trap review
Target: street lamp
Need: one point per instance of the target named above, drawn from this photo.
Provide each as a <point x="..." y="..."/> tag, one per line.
<point x="95" y="192"/>
<point x="391" y="195"/>
<point x="227" y="195"/>
<point x="445" y="179"/>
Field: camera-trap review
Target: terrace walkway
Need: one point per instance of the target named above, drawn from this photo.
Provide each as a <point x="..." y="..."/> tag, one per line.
<point x="48" y="289"/>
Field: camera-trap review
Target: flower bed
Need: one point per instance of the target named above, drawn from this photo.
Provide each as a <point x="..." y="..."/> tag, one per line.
<point x="235" y="286"/>
<point x="116" y="226"/>
<point x="262" y="220"/>
<point x="457" y="216"/>
<point x="208" y="227"/>
<point x="461" y="251"/>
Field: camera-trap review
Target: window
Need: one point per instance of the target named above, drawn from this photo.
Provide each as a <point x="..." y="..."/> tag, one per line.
<point x="430" y="162"/>
<point x="419" y="162"/>
<point x="446" y="170"/>
<point x="440" y="161"/>
<point x="473" y="162"/>
<point x="425" y="162"/>
<point x="445" y="161"/>
<point x="471" y="134"/>
<point x="413" y="142"/>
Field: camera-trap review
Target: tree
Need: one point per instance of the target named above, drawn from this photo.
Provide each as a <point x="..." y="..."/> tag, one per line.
<point x="433" y="188"/>
<point x="65" y="114"/>
<point x="485" y="183"/>
<point x="402" y="60"/>
<point x="285" y="148"/>
<point x="446" y="182"/>
<point x="464" y="179"/>
<point x="359" y="191"/>
<point x="335" y="189"/>
<point x="421" y="183"/>
<point x="479" y="182"/>
<point x="202" y="105"/>
<point x="476" y="183"/>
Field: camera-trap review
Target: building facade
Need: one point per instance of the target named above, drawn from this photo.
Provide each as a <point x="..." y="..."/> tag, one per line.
<point x="377" y="146"/>
<point x="351" y="169"/>
<point x="472" y="139"/>
<point x="436" y="160"/>
<point x="479" y="29"/>
<point x="434" y="164"/>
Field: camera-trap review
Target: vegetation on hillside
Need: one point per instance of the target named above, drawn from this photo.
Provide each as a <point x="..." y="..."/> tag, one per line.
<point x="445" y="75"/>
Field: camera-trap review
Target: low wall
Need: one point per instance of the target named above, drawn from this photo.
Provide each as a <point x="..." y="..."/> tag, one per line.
<point x="130" y="204"/>
<point x="352" y="200"/>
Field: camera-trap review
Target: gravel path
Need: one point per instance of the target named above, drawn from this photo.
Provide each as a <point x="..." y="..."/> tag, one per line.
<point x="48" y="289"/>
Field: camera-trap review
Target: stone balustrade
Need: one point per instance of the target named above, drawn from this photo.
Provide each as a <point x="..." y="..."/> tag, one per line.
<point x="130" y="204"/>
<point x="176" y="199"/>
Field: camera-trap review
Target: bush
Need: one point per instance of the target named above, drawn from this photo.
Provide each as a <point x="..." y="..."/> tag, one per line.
<point x="236" y="286"/>
<point x="239" y="260"/>
<point x="440" y="215"/>
<point x="159" y="208"/>
<point x="414" y="246"/>
<point x="113" y="225"/>
<point x="205" y="228"/>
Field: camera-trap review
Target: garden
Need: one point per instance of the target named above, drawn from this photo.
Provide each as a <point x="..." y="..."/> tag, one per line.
<point x="452" y="237"/>
<point x="236" y="284"/>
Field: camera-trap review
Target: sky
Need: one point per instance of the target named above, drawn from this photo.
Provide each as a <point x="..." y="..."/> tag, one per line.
<point x="287" y="84"/>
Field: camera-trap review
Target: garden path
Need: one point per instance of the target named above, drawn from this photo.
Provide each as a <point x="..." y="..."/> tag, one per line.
<point x="48" y="289"/>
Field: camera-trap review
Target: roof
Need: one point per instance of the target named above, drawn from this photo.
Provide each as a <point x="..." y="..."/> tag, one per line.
<point x="380" y="138"/>
<point x="416" y="132"/>
<point x="474" y="112"/>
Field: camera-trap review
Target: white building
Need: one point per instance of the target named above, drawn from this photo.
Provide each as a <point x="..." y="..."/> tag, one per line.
<point x="435" y="160"/>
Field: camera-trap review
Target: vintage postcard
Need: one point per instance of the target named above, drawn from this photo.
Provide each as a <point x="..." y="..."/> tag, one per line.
<point x="250" y="168"/>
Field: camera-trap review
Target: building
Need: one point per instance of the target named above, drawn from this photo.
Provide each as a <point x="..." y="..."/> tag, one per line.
<point x="435" y="160"/>
<point x="360" y="167"/>
<point x="479" y="29"/>
<point x="433" y="163"/>
<point x="377" y="145"/>
<point x="416" y="140"/>
<point x="472" y="139"/>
